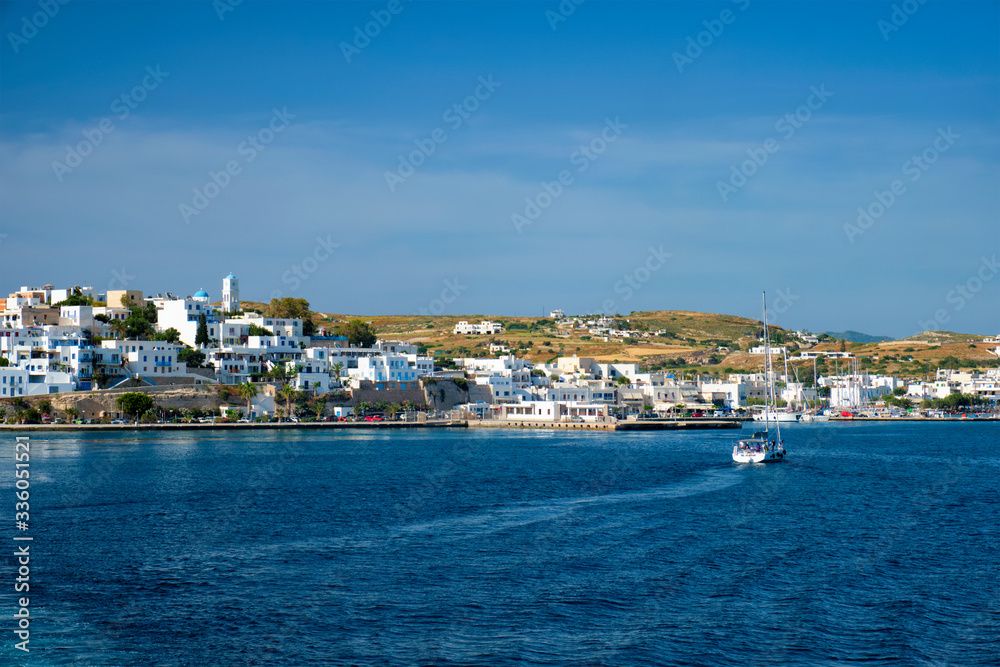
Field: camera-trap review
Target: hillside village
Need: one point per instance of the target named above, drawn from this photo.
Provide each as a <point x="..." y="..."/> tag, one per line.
<point x="72" y="350"/>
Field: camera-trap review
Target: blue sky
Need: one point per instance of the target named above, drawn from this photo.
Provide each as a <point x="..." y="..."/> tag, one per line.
<point x="650" y="216"/>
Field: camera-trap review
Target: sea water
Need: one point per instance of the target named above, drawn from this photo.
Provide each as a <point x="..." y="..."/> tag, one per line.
<point x="875" y="542"/>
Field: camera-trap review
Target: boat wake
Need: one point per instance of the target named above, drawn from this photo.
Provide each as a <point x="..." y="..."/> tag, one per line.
<point x="504" y="518"/>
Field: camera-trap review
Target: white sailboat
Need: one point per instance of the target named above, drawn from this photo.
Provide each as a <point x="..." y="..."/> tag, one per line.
<point x="776" y="414"/>
<point x="814" y="414"/>
<point x="762" y="446"/>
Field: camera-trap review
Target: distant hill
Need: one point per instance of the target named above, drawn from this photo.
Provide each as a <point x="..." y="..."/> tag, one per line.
<point x="856" y="337"/>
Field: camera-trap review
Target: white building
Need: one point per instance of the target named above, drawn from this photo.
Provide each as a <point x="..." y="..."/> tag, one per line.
<point x="183" y="315"/>
<point x="386" y="371"/>
<point x="13" y="381"/>
<point x="290" y="327"/>
<point x="152" y="358"/>
<point x="80" y="316"/>
<point x="774" y="350"/>
<point x="857" y="390"/>
<point x="501" y="388"/>
<point x="230" y="294"/>
<point x="483" y="328"/>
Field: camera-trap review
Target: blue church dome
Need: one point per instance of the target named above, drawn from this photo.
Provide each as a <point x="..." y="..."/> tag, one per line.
<point x="230" y="277"/>
<point x="201" y="294"/>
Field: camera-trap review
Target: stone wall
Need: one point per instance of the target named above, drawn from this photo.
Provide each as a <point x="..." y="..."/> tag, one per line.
<point x="92" y="404"/>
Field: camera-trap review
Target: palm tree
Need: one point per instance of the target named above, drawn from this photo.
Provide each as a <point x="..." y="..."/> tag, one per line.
<point x="119" y="328"/>
<point x="361" y="407"/>
<point x="72" y="413"/>
<point x="248" y="390"/>
<point x="287" y="392"/>
<point x="393" y="410"/>
<point x="337" y="368"/>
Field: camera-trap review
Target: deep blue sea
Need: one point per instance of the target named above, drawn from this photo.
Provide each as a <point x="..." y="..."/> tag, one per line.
<point x="871" y="543"/>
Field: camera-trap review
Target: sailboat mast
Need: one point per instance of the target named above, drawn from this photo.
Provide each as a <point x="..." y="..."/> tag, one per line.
<point x="767" y="367"/>
<point x="770" y="402"/>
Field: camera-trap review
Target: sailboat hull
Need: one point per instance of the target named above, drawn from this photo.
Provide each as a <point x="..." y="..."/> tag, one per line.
<point x="758" y="457"/>
<point x="778" y="417"/>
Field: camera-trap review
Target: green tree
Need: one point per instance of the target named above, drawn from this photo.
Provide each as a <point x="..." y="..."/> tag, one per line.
<point x="75" y="300"/>
<point x="119" y="328"/>
<point x="292" y="308"/>
<point x="201" y="337"/>
<point x="4" y="362"/>
<point x="45" y="406"/>
<point x="137" y="326"/>
<point x="192" y="357"/>
<point x="287" y="308"/>
<point x="134" y="403"/>
<point x="358" y="333"/>
<point x="72" y="413"/>
<point x="361" y="407"/>
<point x="287" y="393"/>
<point x="171" y="335"/>
<point x="256" y="330"/>
<point x="248" y="391"/>
<point x="337" y="369"/>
